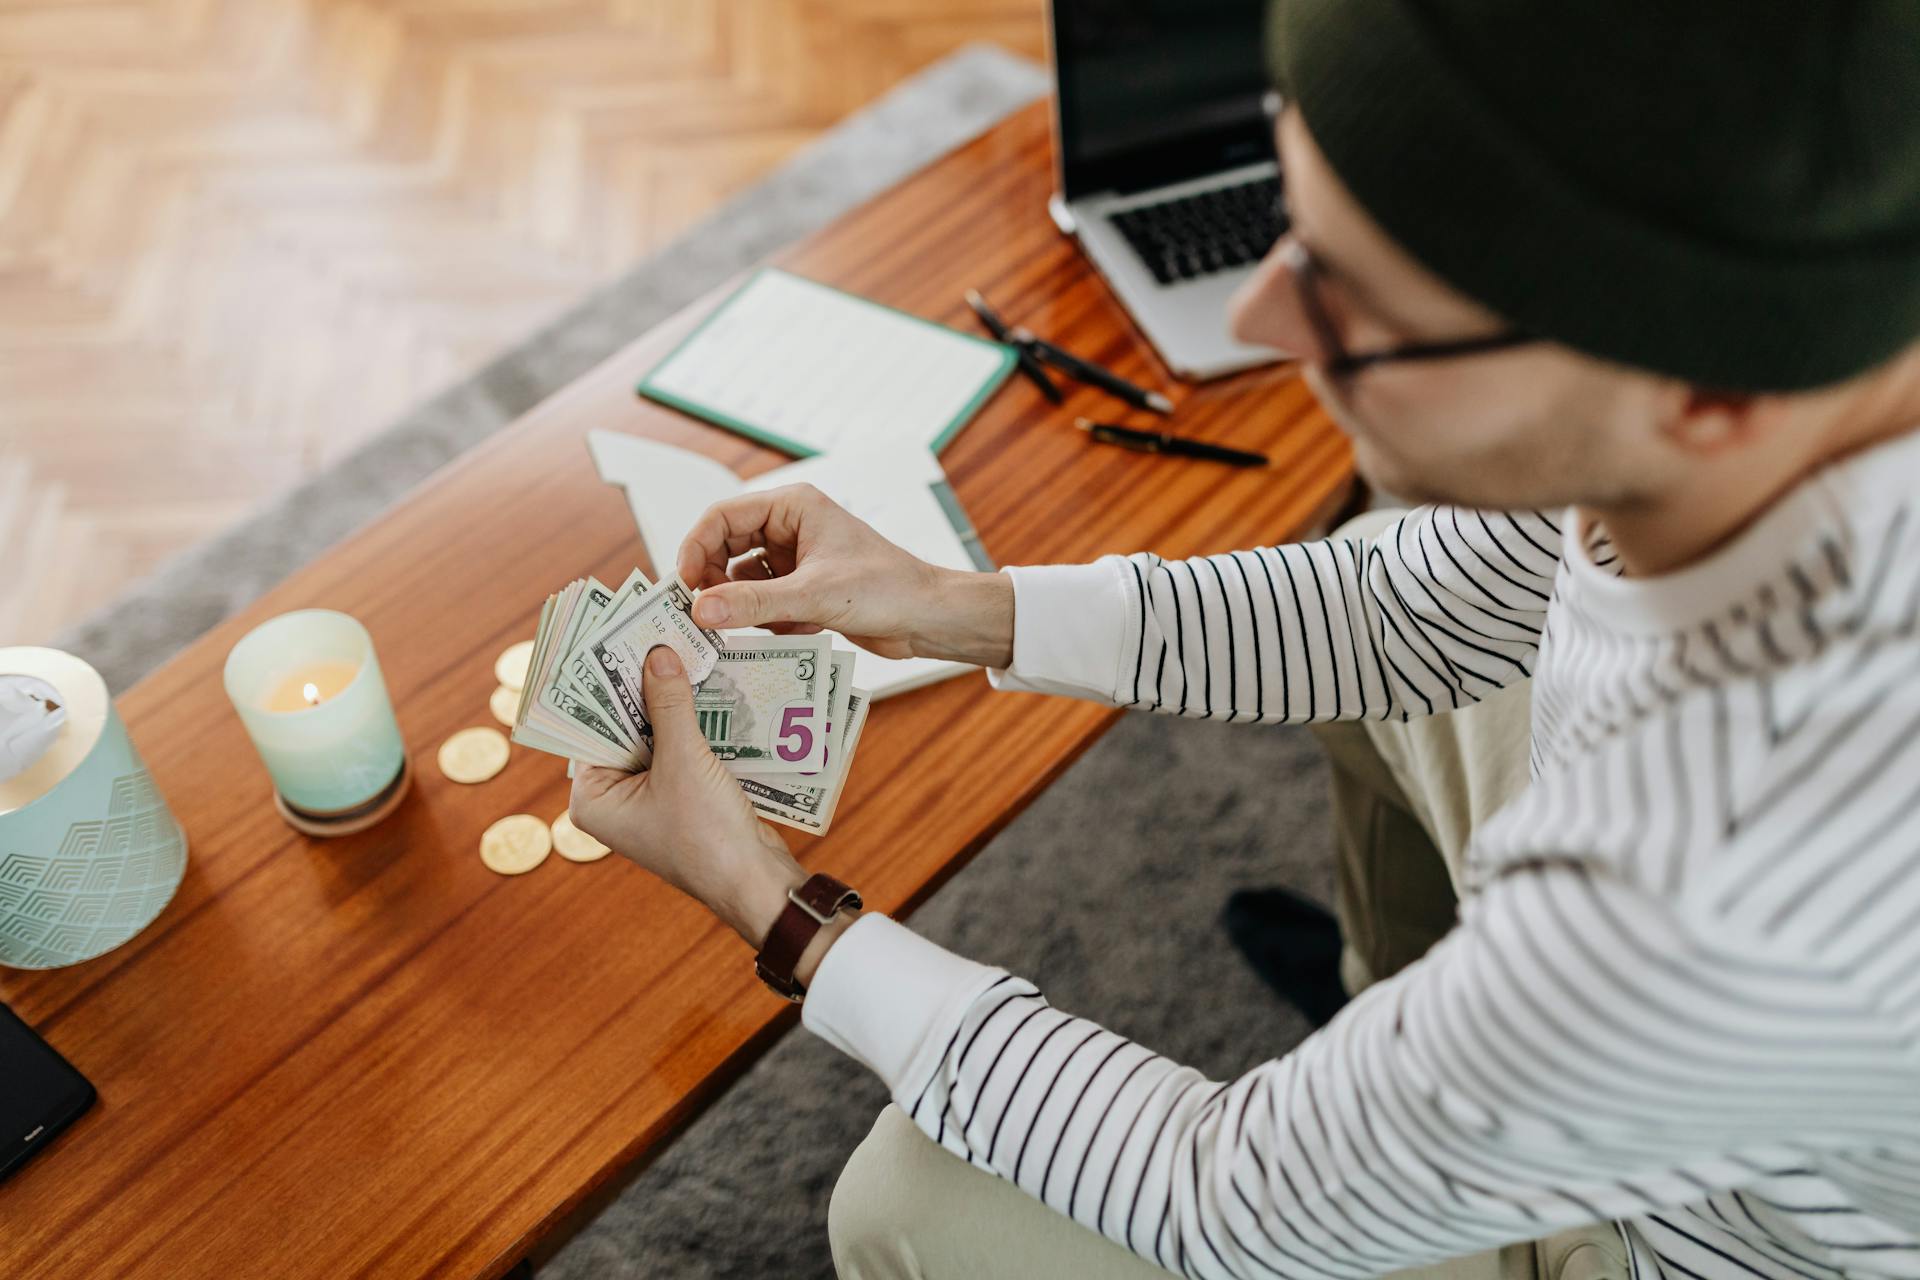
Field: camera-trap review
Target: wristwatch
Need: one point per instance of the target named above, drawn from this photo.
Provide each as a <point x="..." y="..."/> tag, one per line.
<point x="809" y="906"/>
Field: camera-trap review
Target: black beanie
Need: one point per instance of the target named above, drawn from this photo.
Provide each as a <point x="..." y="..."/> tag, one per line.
<point x="1726" y="191"/>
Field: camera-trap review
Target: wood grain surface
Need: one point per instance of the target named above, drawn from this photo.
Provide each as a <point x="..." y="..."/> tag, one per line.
<point x="372" y="1056"/>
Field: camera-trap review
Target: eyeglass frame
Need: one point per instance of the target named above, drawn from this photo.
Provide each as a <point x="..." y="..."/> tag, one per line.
<point x="1305" y="272"/>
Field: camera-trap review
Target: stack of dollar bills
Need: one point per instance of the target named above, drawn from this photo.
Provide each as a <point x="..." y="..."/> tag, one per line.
<point x="780" y="712"/>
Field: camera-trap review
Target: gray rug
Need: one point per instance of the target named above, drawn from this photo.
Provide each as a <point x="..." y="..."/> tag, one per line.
<point x="1106" y="892"/>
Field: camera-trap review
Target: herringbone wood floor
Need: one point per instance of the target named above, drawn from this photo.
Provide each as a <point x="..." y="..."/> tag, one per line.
<point x="238" y="236"/>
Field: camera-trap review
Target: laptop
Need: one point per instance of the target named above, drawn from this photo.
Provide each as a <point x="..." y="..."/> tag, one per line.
<point x="1164" y="132"/>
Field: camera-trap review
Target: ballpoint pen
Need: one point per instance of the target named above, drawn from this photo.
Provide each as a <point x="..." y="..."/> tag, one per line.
<point x="998" y="328"/>
<point x="1165" y="443"/>
<point x="1088" y="372"/>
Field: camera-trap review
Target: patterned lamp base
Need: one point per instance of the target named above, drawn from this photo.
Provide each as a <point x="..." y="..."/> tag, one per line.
<point x="86" y="866"/>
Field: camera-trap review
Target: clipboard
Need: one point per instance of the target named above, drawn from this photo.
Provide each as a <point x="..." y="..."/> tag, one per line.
<point x="809" y="369"/>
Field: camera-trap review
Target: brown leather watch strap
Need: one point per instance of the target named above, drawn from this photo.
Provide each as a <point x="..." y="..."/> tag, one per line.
<point x="808" y="907"/>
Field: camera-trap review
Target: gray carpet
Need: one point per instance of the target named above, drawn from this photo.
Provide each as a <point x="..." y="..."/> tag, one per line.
<point x="1106" y="892"/>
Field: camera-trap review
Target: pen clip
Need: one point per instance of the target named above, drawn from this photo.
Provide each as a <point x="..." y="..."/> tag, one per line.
<point x="1106" y="433"/>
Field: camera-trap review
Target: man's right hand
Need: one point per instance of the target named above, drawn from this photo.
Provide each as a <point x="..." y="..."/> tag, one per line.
<point x="821" y="567"/>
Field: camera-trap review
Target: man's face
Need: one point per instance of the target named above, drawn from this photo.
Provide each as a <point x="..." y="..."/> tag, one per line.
<point x="1533" y="426"/>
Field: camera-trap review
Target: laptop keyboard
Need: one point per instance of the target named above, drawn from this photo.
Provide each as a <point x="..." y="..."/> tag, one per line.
<point x="1209" y="231"/>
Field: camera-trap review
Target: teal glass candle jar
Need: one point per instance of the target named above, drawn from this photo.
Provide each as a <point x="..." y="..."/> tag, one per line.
<point x="308" y="688"/>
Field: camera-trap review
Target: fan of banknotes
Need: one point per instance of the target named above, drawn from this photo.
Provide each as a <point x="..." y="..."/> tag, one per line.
<point x="780" y="711"/>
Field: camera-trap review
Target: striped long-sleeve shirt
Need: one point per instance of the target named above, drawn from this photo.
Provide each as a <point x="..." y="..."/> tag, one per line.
<point x="1683" y="992"/>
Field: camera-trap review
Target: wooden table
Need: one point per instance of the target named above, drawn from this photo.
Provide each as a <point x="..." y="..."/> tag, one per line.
<point x="373" y="1056"/>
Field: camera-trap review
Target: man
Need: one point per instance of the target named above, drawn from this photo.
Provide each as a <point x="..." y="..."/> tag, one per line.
<point x="1655" y="273"/>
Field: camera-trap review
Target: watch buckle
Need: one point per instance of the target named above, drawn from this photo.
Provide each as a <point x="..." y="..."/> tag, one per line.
<point x="793" y="896"/>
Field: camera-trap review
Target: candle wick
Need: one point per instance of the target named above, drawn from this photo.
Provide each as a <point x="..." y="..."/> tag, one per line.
<point x="312" y="694"/>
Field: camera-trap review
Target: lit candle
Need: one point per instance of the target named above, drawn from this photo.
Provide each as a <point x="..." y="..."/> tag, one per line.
<point x="311" y="685"/>
<point x="309" y="691"/>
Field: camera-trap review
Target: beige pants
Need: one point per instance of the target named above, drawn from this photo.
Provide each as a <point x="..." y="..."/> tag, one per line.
<point x="1406" y="796"/>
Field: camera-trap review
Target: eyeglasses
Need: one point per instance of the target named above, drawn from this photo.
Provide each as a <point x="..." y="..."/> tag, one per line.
<point x="1305" y="271"/>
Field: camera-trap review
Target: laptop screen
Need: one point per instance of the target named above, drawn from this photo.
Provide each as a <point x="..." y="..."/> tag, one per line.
<point x="1155" y="91"/>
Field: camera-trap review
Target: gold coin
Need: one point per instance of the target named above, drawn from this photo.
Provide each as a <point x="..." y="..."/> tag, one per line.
<point x="515" y="845"/>
<point x="511" y="666"/>
<point x="473" y="755"/>
<point x="574" y="844"/>
<point x="505" y="704"/>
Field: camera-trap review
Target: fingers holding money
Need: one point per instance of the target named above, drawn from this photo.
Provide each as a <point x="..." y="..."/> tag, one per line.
<point x="693" y="827"/>
<point x="770" y="518"/>
<point x="595" y="788"/>
<point x="831" y="570"/>
<point x="677" y="739"/>
<point x="626" y="680"/>
<point x="759" y="565"/>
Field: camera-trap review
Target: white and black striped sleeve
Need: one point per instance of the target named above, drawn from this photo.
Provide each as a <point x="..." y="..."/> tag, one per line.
<point x="1442" y="608"/>
<point x="1572" y="1052"/>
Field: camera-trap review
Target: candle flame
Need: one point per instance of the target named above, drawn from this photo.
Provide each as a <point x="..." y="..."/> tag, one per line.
<point x="311" y="692"/>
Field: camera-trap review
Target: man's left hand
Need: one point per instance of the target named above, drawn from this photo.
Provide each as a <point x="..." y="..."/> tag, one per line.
<point x="685" y="819"/>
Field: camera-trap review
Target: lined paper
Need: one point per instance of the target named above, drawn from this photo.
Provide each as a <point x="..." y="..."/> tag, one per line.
<point x="822" y="371"/>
